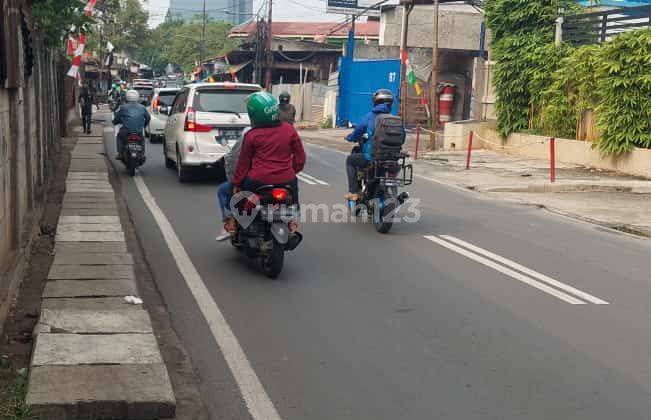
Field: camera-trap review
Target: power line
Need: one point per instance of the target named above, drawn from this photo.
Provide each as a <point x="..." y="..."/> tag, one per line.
<point x="306" y="6"/>
<point x="362" y="13"/>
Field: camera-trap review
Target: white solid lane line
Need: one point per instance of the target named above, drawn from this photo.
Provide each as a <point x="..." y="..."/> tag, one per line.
<point x="257" y="401"/>
<point x="311" y="178"/>
<point x="559" y="285"/>
<point x="511" y="273"/>
<point x="301" y="177"/>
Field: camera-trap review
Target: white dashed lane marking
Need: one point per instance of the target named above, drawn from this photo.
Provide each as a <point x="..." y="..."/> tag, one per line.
<point x="517" y="271"/>
<point x="309" y="179"/>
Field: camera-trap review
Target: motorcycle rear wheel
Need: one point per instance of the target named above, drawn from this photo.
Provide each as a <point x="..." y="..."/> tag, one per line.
<point x="272" y="264"/>
<point x="381" y="225"/>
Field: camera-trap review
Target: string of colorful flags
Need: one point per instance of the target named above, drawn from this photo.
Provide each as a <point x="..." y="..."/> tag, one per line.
<point x="81" y="43"/>
<point x="411" y="76"/>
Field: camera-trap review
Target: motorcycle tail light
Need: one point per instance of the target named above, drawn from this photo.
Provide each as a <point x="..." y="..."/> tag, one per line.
<point x="134" y="138"/>
<point x="279" y="194"/>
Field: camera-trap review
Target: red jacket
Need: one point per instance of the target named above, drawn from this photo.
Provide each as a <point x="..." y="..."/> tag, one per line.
<point x="270" y="155"/>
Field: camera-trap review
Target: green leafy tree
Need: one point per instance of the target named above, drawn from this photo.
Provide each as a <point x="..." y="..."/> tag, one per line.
<point x="177" y="42"/>
<point x="571" y="92"/>
<point x="54" y="20"/>
<point x="123" y="23"/>
<point x="624" y="84"/>
<point x="522" y="30"/>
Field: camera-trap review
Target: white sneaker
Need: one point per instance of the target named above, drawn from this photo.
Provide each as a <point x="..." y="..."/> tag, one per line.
<point x="223" y="236"/>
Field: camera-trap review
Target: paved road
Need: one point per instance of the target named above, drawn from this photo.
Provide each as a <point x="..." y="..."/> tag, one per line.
<point x="434" y="321"/>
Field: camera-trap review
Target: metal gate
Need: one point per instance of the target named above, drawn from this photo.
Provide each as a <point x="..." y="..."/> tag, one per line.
<point x="358" y="80"/>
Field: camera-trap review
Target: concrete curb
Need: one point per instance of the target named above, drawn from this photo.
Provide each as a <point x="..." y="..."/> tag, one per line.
<point x="95" y="355"/>
<point x="633" y="231"/>
<point x="560" y="188"/>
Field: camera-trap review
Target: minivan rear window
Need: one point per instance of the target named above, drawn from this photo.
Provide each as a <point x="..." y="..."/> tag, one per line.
<point x="221" y="100"/>
<point x="166" y="98"/>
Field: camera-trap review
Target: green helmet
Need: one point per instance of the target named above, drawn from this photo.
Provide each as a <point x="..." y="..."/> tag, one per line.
<point x="263" y="109"/>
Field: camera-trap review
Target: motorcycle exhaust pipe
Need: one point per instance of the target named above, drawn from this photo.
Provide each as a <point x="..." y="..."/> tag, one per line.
<point x="404" y="196"/>
<point x="294" y="240"/>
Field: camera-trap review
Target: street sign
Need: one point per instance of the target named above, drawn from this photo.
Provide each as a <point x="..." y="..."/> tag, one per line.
<point x="355" y="7"/>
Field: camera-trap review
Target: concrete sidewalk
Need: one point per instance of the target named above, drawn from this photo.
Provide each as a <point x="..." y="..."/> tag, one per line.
<point x="605" y="198"/>
<point x="95" y="355"/>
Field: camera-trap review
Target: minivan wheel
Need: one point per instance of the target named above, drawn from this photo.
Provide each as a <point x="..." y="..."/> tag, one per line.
<point x="169" y="163"/>
<point x="183" y="172"/>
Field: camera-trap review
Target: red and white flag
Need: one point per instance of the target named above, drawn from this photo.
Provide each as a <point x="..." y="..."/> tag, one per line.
<point x="89" y="7"/>
<point x="76" y="62"/>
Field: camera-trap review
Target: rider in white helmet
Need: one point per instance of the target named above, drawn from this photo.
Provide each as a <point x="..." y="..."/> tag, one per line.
<point x="133" y="117"/>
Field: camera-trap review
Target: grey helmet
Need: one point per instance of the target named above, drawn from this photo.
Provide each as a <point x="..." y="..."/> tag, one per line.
<point x="132" y="95"/>
<point x="383" y="96"/>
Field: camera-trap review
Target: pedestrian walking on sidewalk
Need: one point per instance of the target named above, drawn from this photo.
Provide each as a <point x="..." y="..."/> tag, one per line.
<point x="86" y="102"/>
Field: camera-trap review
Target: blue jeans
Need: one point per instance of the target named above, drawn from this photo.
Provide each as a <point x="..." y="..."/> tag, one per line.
<point x="224" y="194"/>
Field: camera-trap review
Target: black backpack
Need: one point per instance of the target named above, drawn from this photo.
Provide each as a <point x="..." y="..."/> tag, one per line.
<point x="388" y="137"/>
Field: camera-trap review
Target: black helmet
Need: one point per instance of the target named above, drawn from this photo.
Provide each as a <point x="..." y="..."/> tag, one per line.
<point x="284" y="98"/>
<point x="383" y="96"/>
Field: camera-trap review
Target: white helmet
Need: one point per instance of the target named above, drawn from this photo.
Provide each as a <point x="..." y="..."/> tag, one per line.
<point x="132" y="95"/>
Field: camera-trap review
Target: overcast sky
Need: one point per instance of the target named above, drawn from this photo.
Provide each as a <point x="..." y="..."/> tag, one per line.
<point x="287" y="10"/>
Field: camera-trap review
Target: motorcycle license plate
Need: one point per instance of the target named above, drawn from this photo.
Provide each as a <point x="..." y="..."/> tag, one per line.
<point x="134" y="147"/>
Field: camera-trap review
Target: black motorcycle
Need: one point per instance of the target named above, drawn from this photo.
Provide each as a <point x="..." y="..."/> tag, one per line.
<point x="114" y="103"/>
<point x="132" y="154"/>
<point x="379" y="182"/>
<point x="263" y="232"/>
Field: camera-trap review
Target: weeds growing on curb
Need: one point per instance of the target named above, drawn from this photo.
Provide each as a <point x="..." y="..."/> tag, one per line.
<point x="13" y="391"/>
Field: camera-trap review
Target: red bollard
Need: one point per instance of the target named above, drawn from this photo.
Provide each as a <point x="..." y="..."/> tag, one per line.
<point x="417" y="142"/>
<point x="470" y="136"/>
<point x="552" y="159"/>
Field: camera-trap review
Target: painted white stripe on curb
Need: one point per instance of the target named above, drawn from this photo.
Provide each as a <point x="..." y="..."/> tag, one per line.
<point x="559" y="285"/>
<point x="310" y="177"/>
<point x="513" y="274"/>
<point x="258" y="402"/>
<point x="304" y="179"/>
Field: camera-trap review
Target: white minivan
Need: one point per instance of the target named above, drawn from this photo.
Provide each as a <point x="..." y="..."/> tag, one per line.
<point x="158" y="110"/>
<point x="204" y="121"/>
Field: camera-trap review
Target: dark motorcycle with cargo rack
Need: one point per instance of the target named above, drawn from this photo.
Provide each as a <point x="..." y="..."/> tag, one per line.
<point x="381" y="179"/>
<point x="267" y="227"/>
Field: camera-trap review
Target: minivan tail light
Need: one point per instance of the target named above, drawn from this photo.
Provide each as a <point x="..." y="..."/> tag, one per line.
<point x="154" y="105"/>
<point x="192" y="125"/>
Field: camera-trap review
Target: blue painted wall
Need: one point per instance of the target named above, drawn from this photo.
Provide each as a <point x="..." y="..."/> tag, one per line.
<point x="358" y="80"/>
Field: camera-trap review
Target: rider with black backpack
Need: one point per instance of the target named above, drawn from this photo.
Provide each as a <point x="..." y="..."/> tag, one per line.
<point x="385" y="132"/>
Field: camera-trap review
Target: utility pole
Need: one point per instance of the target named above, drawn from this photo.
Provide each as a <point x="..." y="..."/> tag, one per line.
<point x="202" y="45"/>
<point x="434" y="87"/>
<point x="267" y="76"/>
<point x="407" y="7"/>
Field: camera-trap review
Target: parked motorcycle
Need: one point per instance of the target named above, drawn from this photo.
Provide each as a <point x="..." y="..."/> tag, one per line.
<point x="132" y="154"/>
<point x="379" y="182"/>
<point x="263" y="232"/>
